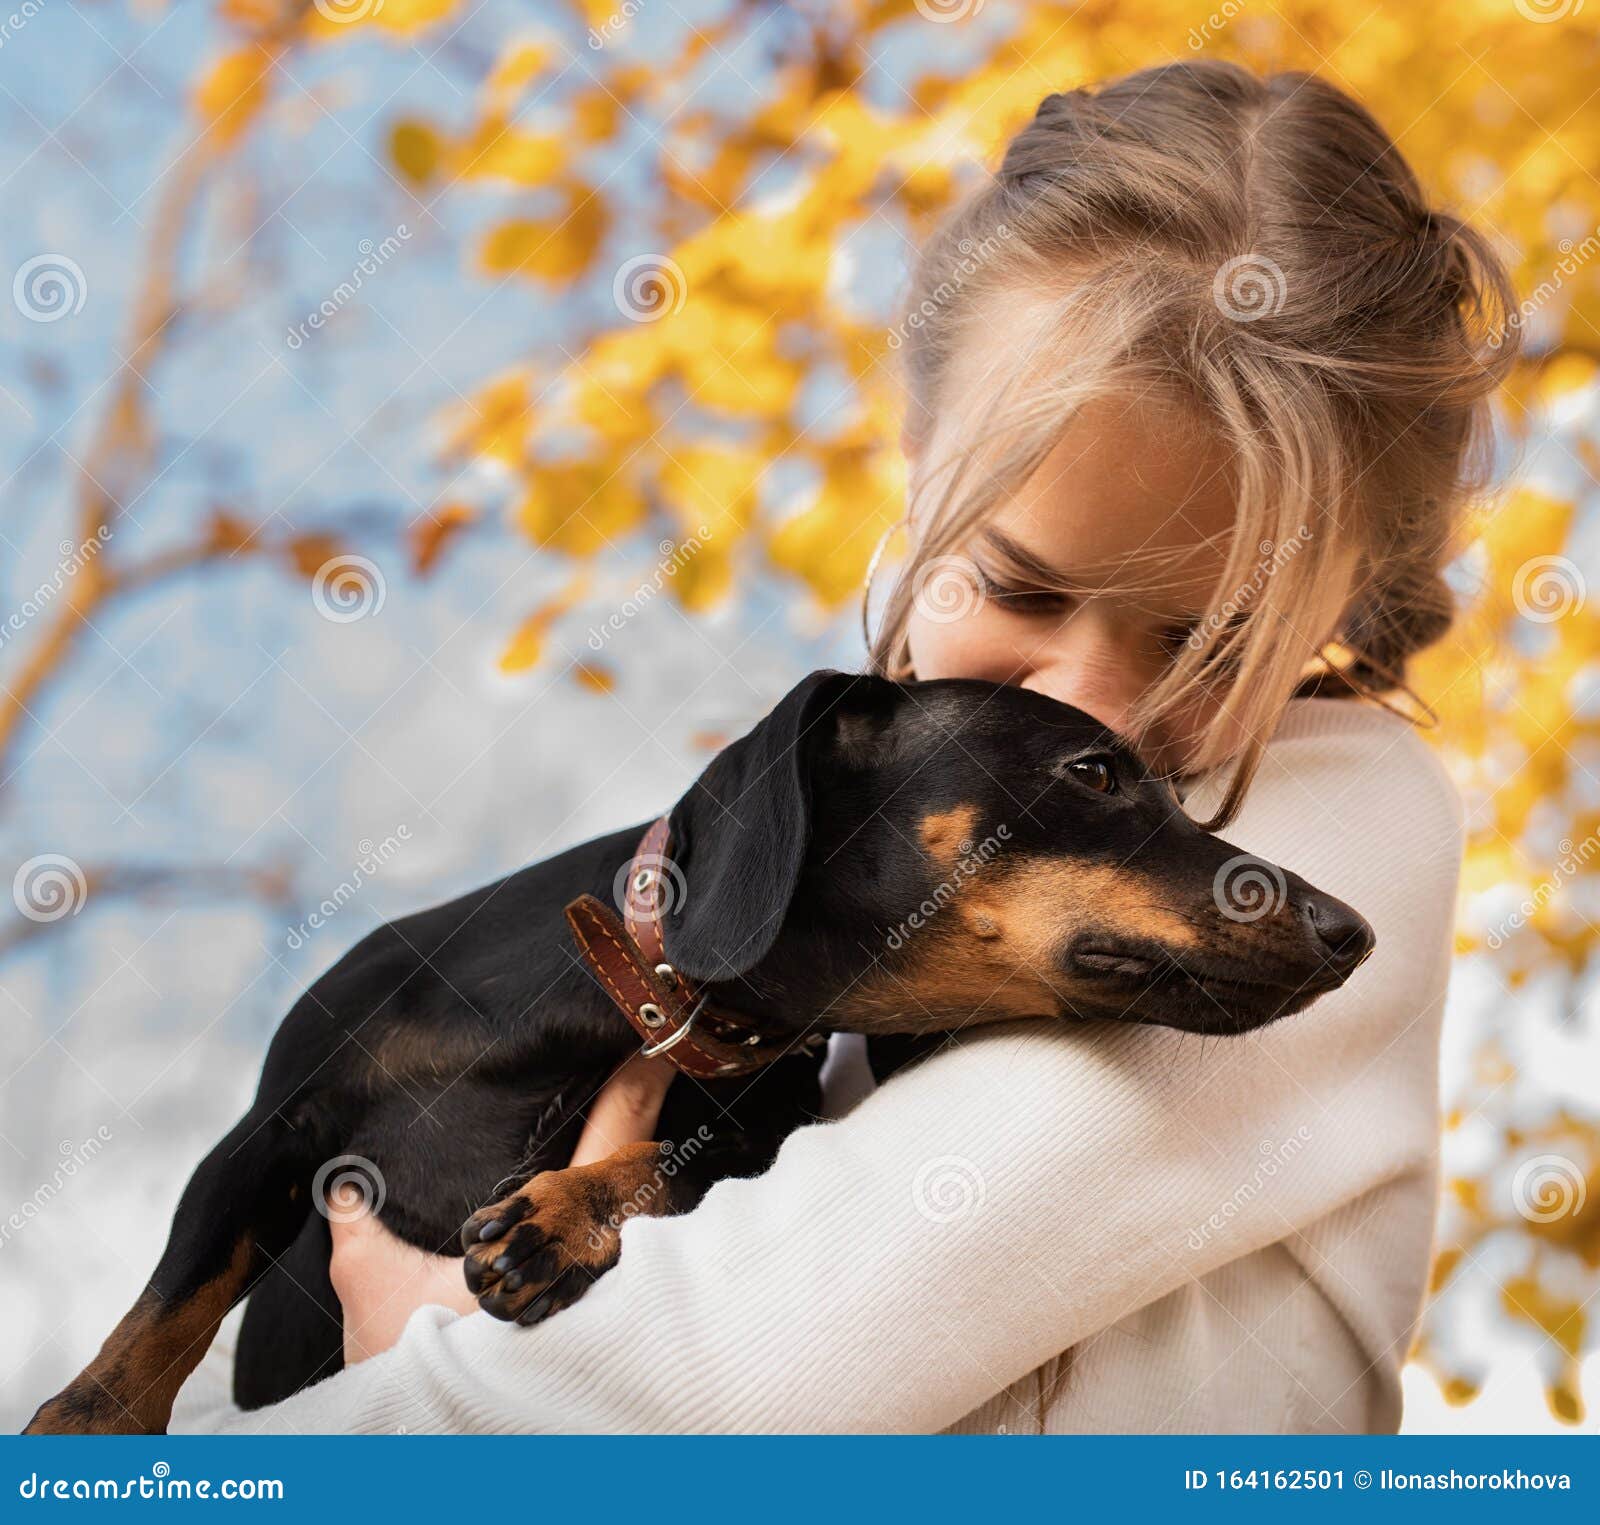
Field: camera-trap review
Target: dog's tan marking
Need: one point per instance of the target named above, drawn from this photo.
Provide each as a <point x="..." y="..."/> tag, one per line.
<point x="992" y="951"/>
<point x="945" y="831"/>
<point x="129" y="1387"/>
<point x="1039" y="904"/>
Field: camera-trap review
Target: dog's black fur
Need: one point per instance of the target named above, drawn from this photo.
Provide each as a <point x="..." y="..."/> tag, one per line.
<point x="873" y="857"/>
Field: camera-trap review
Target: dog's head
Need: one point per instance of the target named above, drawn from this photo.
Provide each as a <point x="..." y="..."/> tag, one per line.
<point x="887" y="857"/>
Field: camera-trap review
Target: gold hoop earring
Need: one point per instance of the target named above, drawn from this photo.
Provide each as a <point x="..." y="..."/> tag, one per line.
<point x="872" y="571"/>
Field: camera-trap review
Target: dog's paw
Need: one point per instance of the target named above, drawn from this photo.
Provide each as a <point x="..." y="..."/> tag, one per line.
<point x="537" y="1251"/>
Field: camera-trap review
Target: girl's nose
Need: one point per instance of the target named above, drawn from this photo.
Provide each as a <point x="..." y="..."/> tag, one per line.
<point x="1096" y="670"/>
<point x="1101" y="700"/>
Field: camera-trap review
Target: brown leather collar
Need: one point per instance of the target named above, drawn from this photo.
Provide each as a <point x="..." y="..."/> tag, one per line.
<point x="628" y="957"/>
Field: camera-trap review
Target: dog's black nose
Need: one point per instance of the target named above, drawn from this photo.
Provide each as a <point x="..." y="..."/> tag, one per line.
<point x="1345" y="936"/>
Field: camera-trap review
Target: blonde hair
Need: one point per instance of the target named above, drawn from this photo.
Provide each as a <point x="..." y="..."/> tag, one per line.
<point x="1258" y="249"/>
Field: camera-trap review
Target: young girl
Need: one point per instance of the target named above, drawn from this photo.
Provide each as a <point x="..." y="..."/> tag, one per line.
<point x="1188" y="443"/>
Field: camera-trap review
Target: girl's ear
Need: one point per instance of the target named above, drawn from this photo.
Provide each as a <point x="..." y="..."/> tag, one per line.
<point x="739" y="836"/>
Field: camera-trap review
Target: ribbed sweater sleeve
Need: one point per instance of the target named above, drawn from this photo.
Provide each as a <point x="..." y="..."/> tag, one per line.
<point x="1025" y="1187"/>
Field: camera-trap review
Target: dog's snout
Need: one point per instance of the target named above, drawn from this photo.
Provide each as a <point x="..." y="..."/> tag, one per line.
<point x="1343" y="935"/>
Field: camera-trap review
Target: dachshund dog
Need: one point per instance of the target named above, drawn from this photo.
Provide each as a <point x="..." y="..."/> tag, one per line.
<point x="873" y="857"/>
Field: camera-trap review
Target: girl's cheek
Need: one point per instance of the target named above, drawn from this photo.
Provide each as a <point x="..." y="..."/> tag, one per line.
<point x="958" y="648"/>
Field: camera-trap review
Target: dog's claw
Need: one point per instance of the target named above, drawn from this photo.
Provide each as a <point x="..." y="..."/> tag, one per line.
<point x="537" y="1251"/>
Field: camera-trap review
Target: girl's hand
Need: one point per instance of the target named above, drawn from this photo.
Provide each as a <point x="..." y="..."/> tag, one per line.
<point x="382" y="1281"/>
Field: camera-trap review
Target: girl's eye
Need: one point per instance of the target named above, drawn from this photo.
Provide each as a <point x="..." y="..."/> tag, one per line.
<point x="1094" y="772"/>
<point x="1175" y="637"/>
<point x="1023" y="600"/>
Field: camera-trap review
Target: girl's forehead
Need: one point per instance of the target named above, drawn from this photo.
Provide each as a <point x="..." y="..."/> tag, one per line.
<point x="1135" y="492"/>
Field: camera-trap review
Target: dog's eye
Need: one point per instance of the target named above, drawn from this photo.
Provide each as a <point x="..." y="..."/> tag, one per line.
<point x="1095" y="772"/>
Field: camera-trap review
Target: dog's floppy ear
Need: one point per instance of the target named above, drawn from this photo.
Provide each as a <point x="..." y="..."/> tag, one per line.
<point x="739" y="835"/>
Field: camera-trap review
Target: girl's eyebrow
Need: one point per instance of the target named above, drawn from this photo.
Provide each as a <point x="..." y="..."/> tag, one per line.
<point x="1025" y="561"/>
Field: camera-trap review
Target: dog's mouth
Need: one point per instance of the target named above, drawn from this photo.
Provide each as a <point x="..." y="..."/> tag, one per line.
<point x="1143" y="984"/>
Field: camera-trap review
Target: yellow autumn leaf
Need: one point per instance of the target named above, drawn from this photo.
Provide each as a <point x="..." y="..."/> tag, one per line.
<point x="526" y="646"/>
<point x="416" y="150"/>
<point x="233" y="92"/>
<point x="579" y="507"/>
<point x="496" y="421"/>
<point x="552" y="250"/>
<point x="516" y="68"/>
<point x="500" y="152"/>
<point x="594" y="677"/>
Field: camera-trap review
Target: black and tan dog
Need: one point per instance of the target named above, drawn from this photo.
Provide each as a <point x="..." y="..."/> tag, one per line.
<point x="872" y="857"/>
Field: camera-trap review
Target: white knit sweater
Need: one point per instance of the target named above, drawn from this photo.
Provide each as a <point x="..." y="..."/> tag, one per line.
<point x="1073" y="1228"/>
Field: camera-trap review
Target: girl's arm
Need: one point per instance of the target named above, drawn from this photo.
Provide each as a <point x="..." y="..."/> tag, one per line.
<point x="1024" y="1188"/>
